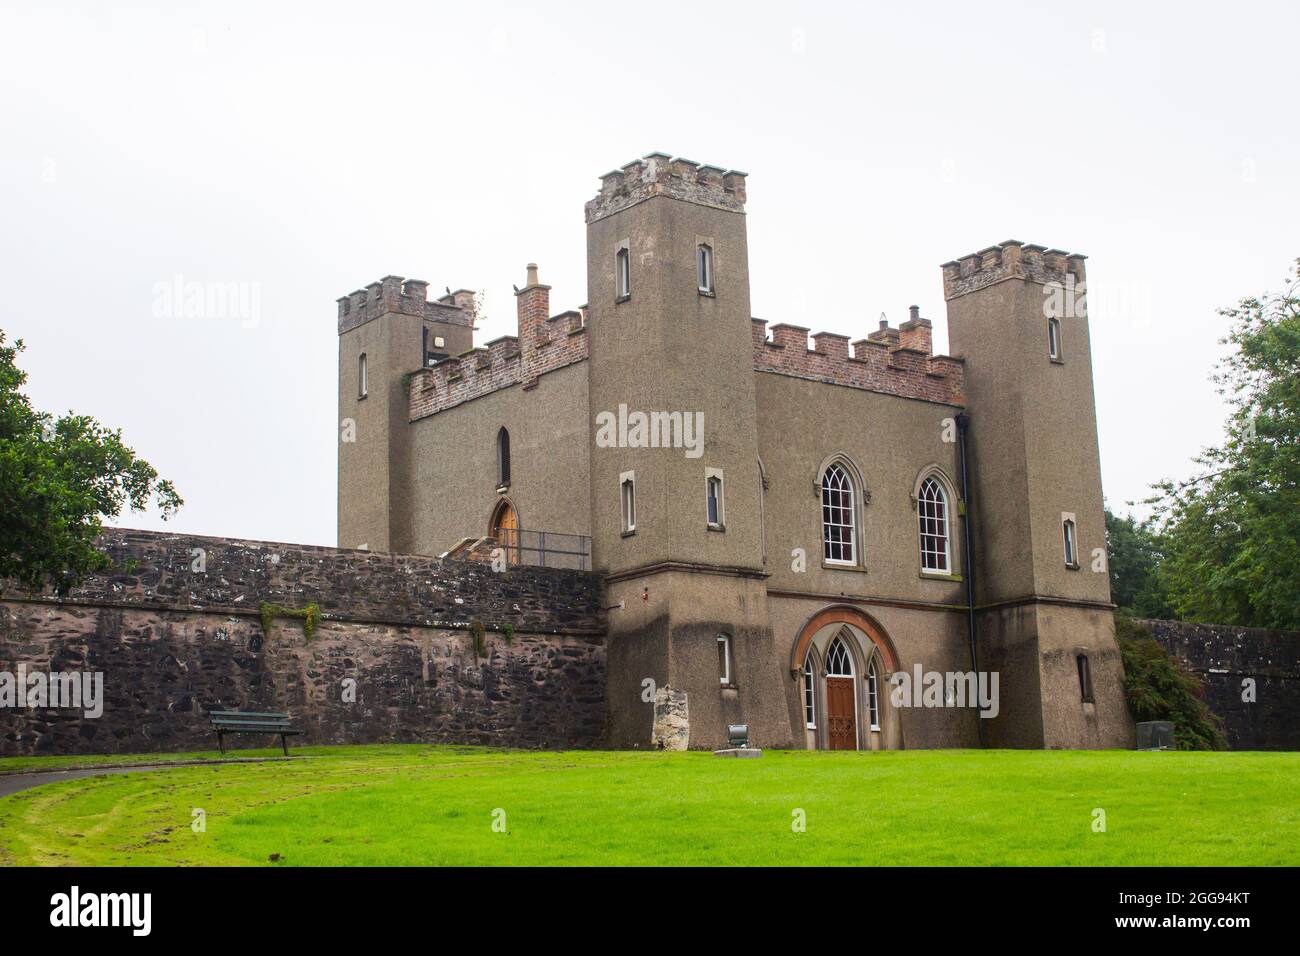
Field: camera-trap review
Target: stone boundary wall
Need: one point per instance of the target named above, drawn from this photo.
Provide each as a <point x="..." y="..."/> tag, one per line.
<point x="1223" y="657"/>
<point x="175" y="630"/>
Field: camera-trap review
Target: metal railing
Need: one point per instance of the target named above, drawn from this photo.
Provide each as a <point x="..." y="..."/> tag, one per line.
<point x="545" y="549"/>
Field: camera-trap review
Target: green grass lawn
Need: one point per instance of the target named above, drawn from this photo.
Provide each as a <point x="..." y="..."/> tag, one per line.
<point x="405" y="805"/>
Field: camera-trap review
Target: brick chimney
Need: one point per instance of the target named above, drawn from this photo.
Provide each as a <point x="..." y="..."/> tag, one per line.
<point x="916" y="332"/>
<point x="533" y="302"/>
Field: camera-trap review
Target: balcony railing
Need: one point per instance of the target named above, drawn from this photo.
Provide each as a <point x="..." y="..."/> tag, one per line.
<point x="545" y="549"/>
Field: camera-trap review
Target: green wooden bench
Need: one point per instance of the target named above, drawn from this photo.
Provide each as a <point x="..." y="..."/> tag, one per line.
<point x="245" y="722"/>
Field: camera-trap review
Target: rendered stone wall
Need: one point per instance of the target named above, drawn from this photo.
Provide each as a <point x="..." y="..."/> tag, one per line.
<point x="174" y="642"/>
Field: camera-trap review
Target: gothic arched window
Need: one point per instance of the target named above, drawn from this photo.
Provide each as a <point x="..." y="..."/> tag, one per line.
<point x="839" y="526"/>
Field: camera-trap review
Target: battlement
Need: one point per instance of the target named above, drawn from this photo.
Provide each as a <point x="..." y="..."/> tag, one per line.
<point x="658" y="174"/>
<point x="406" y="297"/>
<point x="498" y="365"/>
<point x="1010" y="260"/>
<point x="892" y="361"/>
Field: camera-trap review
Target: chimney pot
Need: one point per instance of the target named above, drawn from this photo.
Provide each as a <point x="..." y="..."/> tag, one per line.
<point x="532" y="275"/>
<point x="914" y="312"/>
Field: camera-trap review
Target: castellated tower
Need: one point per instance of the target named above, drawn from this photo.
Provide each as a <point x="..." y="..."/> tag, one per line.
<point x="386" y="331"/>
<point x="1017" y="315"/>
<point x="670" y="333"/>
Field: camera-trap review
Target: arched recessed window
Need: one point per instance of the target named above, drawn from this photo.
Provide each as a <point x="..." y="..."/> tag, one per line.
<point x="839" y="526"/>
<point x="503" y="458"/>
<point x="873" y="696"/>
<point x="809" y="695"/>
<point x="1085" y="678"/>
<point x="838" y="661"/>
<point x="713" y="504"/>
<point x="704" y="267"/>
<point x="1054" y="339"/>
<point x="363" y="379"/>
<point x="932" y="515"/>
<point x="623" y="272"/>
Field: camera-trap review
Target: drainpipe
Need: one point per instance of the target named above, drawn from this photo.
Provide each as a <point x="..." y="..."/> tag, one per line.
<point x="963" y="424"/>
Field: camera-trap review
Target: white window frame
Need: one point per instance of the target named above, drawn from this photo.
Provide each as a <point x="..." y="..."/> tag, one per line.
<point x="724" y="679"/>
<point x="852" y="525"/>
<point x="945" y="499"/>
<point x="873" y="696"/>
<point x="1070" y="539"/>
<point x="1054" y="339"/>
<point x="623" y="271"/>
<point x="627" y="501"/>
<point x="809" y="694"/>
<point x="363" y="376"/>
<point x="711" y="475"/>
<point x="704" y="267"/>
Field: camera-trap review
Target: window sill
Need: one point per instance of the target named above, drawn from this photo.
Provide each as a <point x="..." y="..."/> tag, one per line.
<point x="620" y="299"/>
<point x="1058" y="361"/>
<point x="875" y="728"/>
<point x="833" y="566"/>
<point x="708" y="293"/>
<point x="362" y="398"/>
<point x="723" y="686"/>
<point x="940" y="576"/>
<point x="1072" y="567"/>
<point x="503" y="488"/>
<point x="629" y="532"/>
<point x="713" y="526"/>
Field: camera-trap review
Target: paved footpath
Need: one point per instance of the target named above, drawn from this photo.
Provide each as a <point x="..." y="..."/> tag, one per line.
<point x="15" y="782"/>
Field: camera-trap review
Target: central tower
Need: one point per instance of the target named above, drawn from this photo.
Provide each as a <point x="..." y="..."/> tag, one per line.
<point x="674" y="454"/>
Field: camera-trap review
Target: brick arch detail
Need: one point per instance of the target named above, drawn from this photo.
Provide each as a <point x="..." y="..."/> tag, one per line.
<point x="842" y="614"/>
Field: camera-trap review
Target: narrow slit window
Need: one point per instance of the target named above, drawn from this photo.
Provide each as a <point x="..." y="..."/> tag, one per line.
<point x="1069" y="539"/>
<point x="704" y="267"/>
<point x="873" y="696"/>
<point x="713" y="505"/>
<point x="623" y="271"/>
<point x="363" y="382"/>
<point x="1085" y="678"/>
<point x="627" y="496"/>
<point x="724" y="659"/>
<point x="503" y="458"/>
<point x="1054" y="339"/>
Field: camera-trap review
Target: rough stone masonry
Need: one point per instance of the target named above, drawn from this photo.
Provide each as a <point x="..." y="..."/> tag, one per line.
<point x="175" y="628"/>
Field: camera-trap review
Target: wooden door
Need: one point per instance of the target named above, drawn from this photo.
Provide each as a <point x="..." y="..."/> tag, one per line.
<point x="505" y="528"/>
<point x="841" y="725"/>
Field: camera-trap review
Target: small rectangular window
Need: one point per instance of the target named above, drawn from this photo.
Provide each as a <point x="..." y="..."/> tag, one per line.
<point x="623" y="271"/>
<point x="1085" y="678"/>
<point x="363" y="384"/>
<point x="627" y="496"/>
<point x="724" y="659"/>
<point x="713" y="504"/>
<point x="704" y="267"/>
<point x="1054" y="339"/>
<point x="1069" y="539"/>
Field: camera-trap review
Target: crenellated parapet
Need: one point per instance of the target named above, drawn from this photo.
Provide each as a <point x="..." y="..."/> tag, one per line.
<point x="895" y="361"/>
<point x="1011" y="260"/>
<point x="406" y="297"/>
<point x="658" y="174"/>
<point x="500" y="364"/>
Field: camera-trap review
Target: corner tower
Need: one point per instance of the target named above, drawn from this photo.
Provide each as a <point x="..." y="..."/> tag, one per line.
<point x="1017" y="314"/>
<point x="386" y="331"/>
<point x="671" y="366"/>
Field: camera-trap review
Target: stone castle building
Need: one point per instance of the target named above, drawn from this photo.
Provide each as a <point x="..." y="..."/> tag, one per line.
<point x="781" y="529"/>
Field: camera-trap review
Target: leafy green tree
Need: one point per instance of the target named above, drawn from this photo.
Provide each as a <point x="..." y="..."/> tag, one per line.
<point x="1231" y="536"/>
<point x="60" y="478"/>
<point x="1134" y="556"/>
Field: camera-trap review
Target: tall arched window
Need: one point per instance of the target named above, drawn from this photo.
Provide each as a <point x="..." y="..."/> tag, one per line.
<point x="839" y="528"/>
<point x="809" y="695"/>
<point x="503" y="458"/>
<point x="932" y="514"/>
<point x="873" y="696"/>
<point x="704" y="267"/>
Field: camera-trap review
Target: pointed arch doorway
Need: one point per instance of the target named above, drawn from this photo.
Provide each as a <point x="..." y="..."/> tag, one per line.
<point x="504" y="527"/>
<point x="841" y="698"/>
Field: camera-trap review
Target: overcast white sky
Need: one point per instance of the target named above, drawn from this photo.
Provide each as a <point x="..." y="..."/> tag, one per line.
<point x="306" y="151"/>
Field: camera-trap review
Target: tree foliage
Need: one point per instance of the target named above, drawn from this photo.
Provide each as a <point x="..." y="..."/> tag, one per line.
<point x="60" y="478"/>
<point x="1158" y="687"/>
<point x="1231" y="536"/>
<point x="1134" y="555"/>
